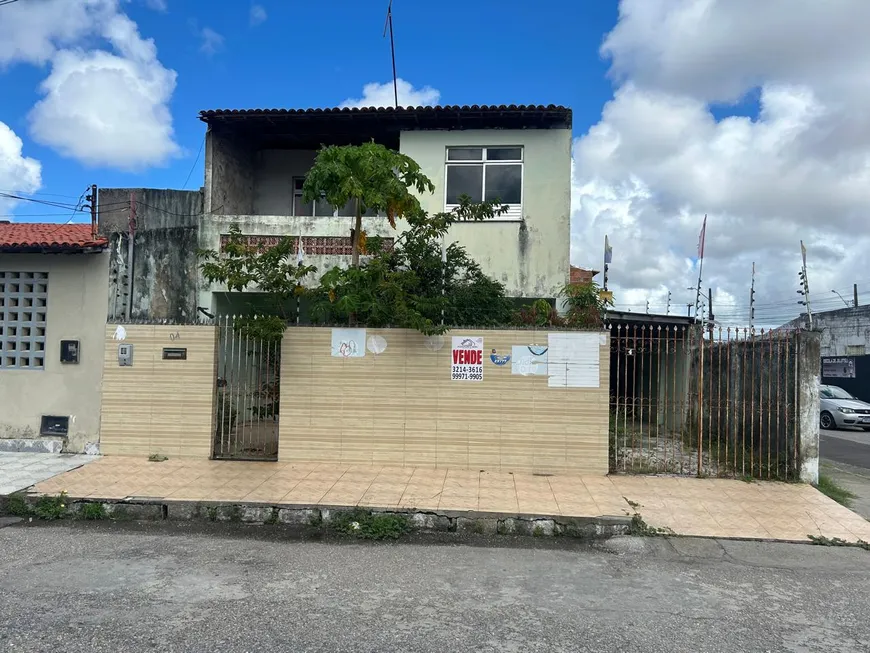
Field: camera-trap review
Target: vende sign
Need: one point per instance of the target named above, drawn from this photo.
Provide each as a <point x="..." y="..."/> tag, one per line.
<point x="467" y="364"/>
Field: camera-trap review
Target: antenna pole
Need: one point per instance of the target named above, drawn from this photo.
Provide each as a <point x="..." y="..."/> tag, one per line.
<point x="389" y="24"/>
<point x="805" y="290"/>
<point x="752" y="299"/>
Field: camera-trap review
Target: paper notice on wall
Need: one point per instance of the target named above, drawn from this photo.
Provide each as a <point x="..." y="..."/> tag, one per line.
<point x="348" y="343"/>
<point x="467" y="359"/>
<point x="573" y="360"/>
<point x="529" y="360"/>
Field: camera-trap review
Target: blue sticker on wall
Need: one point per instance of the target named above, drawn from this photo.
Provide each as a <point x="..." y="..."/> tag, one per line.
<point x="499" y="360"/>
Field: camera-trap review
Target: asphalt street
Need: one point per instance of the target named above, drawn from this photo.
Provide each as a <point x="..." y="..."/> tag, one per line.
<point x="845" y="457"/>
<point x="115" y="587"/>
<point x="849" y="447"/>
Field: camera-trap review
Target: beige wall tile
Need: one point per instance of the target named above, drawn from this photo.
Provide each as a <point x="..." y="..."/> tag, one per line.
<point x="401" y="407"/>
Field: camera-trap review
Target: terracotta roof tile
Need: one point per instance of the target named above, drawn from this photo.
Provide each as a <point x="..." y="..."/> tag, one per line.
<point x="46" y="235"/>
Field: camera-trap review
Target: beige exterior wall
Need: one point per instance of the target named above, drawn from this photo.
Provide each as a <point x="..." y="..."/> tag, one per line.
<point x="402" y="408"/>
<point x="159" y="406"/>
<point x="76" y="308"/>
<point x="530" y="256"/>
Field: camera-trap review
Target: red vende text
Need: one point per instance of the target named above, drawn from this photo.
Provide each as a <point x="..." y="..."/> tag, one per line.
<point x="467" y="357"/>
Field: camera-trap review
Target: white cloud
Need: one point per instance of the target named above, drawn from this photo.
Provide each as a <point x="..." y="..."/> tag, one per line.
<point x="210" y="41"/>
<point x="17" y="172"/>
<point x="100" y="107"/>
<point x="258" y="15"/>
<point x="105" y="108"/>
<point x="382" y="95"/>
<point x="156" y="5"/>
<point x="658" y="159"/>
<point x="32" y="31"/>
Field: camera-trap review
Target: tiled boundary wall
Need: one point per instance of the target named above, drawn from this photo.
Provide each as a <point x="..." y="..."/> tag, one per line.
<point x="402" y="406"/>
<point x="158" y="406"/>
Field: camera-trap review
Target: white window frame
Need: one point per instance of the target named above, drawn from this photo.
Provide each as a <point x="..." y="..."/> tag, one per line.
<point x="514" y="211"/>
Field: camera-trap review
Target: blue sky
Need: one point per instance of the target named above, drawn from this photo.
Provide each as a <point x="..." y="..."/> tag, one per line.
<point x="306" y="54"/>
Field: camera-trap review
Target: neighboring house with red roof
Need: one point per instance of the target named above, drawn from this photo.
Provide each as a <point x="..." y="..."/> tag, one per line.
<point x="53" y="289"/>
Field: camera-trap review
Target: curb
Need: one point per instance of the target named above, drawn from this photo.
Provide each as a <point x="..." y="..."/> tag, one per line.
<point x="320" y="517"/>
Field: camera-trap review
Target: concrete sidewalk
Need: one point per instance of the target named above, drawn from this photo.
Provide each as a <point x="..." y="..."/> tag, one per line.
<point x="684" y="506"/>
<point x="20" y="470"/>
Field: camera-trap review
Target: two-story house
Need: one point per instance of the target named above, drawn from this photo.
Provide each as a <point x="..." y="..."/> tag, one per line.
<point x="255" y="164"/>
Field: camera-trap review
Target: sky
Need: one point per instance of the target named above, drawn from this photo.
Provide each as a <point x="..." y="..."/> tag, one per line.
<point x="755" y="114"/>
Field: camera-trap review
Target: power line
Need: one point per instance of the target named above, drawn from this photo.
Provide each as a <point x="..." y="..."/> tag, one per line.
<point x="25" y="192"/>
<point x="20" y="198"/>
<point x="201" y="145"/>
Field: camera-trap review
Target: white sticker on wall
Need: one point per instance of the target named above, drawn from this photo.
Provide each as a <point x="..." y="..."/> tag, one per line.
<point x="467" y="359"/>
<point x="573" y="360"/>
<point x="434" y="343"/>
<point x="120" y="333"/>
<point x="376" y="344"/>
<point x="529" y="360"/>
<point x="348" y="343"/>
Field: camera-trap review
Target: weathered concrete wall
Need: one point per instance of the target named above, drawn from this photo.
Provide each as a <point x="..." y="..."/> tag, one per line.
<point x="77" y="287"/>
<point x="809" y="404"/>
<point x="164" y="252"/>
<point x="530" y="256"/>
<point x="840" y="330"/>
<point x="273" y="179"/>
<point x="229" y="176"/>
<point x="213" y="226"/>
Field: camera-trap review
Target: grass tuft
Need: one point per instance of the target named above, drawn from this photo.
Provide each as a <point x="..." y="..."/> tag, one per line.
<point x="829" y="487"/>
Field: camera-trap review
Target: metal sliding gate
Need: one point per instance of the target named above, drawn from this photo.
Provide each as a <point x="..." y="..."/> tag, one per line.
<point x="718" y="403"/>
<point x="247" y="392"/>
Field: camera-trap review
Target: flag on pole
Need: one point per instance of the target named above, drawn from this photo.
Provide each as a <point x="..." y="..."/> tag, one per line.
<point x="702" y="237"/>
<point x="300" y="251"/>
<point x="804" y="254"/>
<point x="608" y="251"/>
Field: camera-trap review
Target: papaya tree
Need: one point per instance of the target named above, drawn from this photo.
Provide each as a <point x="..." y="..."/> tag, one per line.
<point x="373" y="177"/>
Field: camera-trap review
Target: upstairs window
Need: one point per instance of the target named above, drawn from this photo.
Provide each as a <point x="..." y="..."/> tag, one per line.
<point x="321" y="208"/>
<point x="486" y="174"/>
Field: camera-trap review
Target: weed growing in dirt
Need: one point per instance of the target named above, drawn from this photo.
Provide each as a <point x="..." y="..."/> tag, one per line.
<point x="49" y="508"/>
<point x="370" y="526"/>
<point x="829" y="487"/>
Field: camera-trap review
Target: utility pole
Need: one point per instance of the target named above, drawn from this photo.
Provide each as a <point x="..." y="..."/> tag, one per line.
<point x="688" y="309"/>
<point x="805" y="291"/>
<point x="710" y="311"/>
<point x="668" y="308"/>
<point x="647" y="307"/>
<point x="855" y="293"/>
<point x="752" y="299"/>
<point x="92" y="200"/>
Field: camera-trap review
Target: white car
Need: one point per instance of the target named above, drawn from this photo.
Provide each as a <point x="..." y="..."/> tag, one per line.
<point x="840" y="409"/>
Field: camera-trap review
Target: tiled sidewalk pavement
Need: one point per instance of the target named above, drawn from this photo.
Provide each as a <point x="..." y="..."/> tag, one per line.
<point x="19" y="470"/>
<point x="705" y="507"/>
